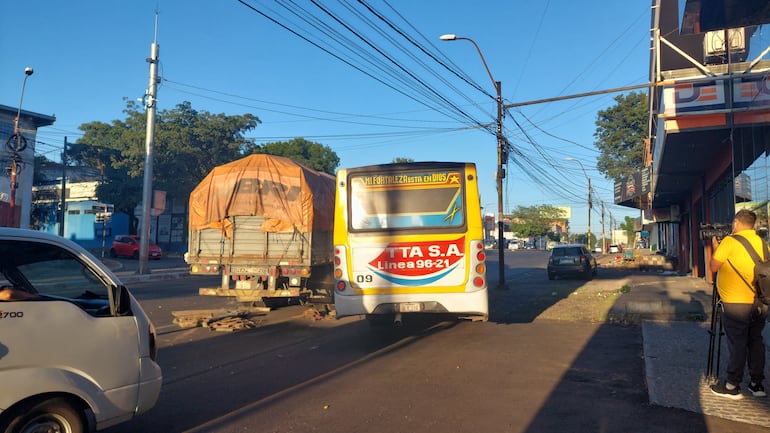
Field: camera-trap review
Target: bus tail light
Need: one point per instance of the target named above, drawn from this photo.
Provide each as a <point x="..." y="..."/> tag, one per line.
<point x="340" y="268"/>
<point x="479" y="276"/>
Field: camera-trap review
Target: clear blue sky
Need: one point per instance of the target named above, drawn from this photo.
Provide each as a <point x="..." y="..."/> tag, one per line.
<point x="385" y="100"/>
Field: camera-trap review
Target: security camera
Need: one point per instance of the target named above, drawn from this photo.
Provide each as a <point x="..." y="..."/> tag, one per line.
<point x="28" y="71"/>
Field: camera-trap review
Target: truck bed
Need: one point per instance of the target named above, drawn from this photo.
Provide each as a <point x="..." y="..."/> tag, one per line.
<point x="250" y="245"/>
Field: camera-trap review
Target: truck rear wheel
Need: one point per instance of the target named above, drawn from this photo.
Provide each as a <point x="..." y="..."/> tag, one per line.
<point x="54" y="415"/>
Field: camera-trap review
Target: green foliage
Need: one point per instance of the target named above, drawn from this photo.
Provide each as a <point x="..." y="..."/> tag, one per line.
<point x="401" y="159"/>
<point x="187" y="145"/>
<point x="39" y="162"/>
<point x="620" y="133"/>
<point x="308" y="153"/>
<point x="628" y="226"/>
<point x="535" y="220"/>
<point x="580" y="238"/>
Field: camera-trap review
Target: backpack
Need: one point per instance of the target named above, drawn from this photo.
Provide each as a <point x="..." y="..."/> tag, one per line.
<point x="761" y="286"/>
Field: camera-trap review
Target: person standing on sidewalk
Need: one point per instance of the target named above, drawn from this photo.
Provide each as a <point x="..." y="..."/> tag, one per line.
<point x="743" y="316"/>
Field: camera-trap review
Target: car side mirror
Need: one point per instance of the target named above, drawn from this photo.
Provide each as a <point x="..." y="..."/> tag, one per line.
<point x="122" y="301"/>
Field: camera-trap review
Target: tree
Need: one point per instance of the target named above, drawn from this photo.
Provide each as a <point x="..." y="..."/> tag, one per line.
<point x="620" y="133"/>
<point x="628" y="226"/>
<point x="308" y="153"/>
<point x="401" y="159"/>
<point x="583" y="239"/>
<point x="187" y="145"/>
<point x="535" y="220"/>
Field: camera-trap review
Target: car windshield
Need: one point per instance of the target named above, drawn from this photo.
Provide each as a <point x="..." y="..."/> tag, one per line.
<point x="567" y="251"/>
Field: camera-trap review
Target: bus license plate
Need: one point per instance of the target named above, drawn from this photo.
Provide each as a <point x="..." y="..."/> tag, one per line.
<point x="409" y="307"/>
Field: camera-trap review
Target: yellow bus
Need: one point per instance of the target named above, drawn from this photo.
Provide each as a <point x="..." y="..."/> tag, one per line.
<point x="408" y="238"/>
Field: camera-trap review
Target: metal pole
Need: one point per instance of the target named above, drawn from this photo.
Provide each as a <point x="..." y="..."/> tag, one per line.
<point x="18" y="147"/>
<point x="500" y="175"/>
<point x="604" y="240"/>
<point x="63" y="197"/>
<point x="144" y="244"/>
<point x="588" y="238"/>
<point x="588" y="235"/>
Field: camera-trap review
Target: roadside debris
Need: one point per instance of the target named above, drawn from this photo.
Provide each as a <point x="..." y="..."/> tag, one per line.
<point x="319" y="314"/>
<point x="230" y="324"/>
<point x="216" y="320"/>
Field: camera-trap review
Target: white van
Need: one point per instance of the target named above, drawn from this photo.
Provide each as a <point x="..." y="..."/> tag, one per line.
<point x="77" y="353"/>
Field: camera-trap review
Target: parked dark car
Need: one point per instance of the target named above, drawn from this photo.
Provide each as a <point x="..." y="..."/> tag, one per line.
<point x="571" y="260"/>
<point x="128" y="246"/>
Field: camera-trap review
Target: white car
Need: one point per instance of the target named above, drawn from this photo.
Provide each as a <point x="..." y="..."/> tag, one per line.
<point x="78" y="351"/>
<point x="614" y="249"/>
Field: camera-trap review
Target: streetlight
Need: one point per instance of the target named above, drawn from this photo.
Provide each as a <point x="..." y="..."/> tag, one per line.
<point x="17" y="143"/>
<point x="500" y="158"/>
<point x="588" y="238"/>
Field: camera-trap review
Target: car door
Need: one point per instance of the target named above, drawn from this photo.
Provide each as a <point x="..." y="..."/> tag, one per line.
<point x="67" y="339"/>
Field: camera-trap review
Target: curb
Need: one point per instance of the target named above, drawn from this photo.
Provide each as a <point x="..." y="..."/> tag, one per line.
<point x="157" y="275"/>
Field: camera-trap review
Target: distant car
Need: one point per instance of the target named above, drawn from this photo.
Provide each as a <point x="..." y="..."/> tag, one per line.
<point x="614" y="249"/>
<point x="598" y="250"/>
<point x="129" y="245"/>
<point x="571" y="260"/>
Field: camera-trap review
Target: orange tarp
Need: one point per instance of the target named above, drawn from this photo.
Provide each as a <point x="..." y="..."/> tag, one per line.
<point x="291" y="196"/>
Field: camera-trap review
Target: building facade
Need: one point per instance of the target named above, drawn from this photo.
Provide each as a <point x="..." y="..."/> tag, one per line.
<point x="17" y="157"/>
<point x="709" y="122"/>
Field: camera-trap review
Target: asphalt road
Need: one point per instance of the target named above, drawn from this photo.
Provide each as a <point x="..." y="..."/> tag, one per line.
<point x="515" y="373"/>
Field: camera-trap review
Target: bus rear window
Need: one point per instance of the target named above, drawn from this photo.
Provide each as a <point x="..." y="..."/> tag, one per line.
<point x="406" y="200"/>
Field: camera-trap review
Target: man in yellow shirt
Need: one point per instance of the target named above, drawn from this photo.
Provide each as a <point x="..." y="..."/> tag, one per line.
<point x="743" y="316"/>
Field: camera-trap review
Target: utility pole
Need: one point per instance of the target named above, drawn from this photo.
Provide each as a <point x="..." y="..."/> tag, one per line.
<point x="499" y="177"/>
<point x="588" y="179"/>
<point x="150" y="104"/>
<point x="502" y="158"/>
<point x="612" y="228"/>
<point x="604" y="242"/>
<point x="589" y="212"/>
<point x="16" y="144"/>
<point x="63" y="197"/>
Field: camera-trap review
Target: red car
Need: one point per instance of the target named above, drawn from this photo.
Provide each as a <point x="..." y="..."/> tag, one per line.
<point x="128" y="246"/>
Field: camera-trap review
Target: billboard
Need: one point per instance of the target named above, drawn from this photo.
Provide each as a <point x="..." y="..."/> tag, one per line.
<point x="634" y="186"/>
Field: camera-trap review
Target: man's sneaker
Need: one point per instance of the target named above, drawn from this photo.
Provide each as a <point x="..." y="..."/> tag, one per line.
<point x="757" y="389"/>
<point x="728" y="390"/>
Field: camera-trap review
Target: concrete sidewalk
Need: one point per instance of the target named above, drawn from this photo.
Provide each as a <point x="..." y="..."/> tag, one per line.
<point x="172" y="266"/>
<point x="675" y="315"/>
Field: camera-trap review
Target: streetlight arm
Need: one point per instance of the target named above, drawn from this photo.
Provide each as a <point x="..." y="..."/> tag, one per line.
<point x="451" y="37"/>
<point x="21" y="98"/>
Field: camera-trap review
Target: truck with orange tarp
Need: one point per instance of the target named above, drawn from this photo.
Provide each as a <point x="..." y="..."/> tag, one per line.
<point x="265" y="224"/>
